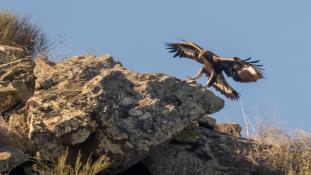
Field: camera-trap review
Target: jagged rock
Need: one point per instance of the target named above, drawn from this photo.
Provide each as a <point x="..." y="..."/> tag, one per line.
<point x="200" y="151"/>
<point x="16" y="85"/>
<point x="233" y="129"/>
<point x="207" y="122"/>
<point x="10" y="157"/>
<point x="95" y="105"/>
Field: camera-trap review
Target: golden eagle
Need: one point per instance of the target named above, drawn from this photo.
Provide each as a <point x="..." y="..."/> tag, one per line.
<point x="241" y="70"/>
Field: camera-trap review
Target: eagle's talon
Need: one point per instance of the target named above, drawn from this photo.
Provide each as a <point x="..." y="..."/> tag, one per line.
<point x="191" y="78"/>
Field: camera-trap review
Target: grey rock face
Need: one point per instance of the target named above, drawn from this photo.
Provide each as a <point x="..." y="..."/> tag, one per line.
<point x="207" y="153"/>
<point x="207" y="122"/>
<point x="94" y="104"/>
<point x="11" y="157"/>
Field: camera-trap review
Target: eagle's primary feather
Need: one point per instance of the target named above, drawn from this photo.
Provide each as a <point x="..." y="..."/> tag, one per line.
<point x="223" y="87"/>
<point x="243" y="71"/>
<point x="186" y="49"/>
<point x="240" y="70"/>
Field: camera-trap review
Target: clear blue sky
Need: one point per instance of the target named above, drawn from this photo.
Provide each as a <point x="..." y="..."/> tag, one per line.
<point x="277" y="32"/>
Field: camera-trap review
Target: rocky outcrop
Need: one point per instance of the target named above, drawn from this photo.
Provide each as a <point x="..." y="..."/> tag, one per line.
<point x="95" y="105"/>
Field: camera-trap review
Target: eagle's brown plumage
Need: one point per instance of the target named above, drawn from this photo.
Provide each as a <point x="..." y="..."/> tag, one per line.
<point x="243" y="71"/>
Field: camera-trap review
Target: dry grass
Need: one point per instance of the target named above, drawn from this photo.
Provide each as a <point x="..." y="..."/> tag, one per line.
<point x="62" y="167"/>
<point x="276" y="151"/>
<point x="18" y="32"/>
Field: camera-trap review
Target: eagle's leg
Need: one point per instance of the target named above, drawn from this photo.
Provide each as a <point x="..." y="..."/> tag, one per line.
<point x="198" y="75"/>
<point x="211" y="80"/>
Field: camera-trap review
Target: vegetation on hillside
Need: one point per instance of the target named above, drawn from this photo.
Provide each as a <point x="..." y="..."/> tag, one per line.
<point x="276" y="151"/>
<point x="62" y="167"/>
<point x="19" y="37"/>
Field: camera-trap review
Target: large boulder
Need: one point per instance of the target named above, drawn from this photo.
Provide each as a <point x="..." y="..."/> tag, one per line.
<point x="95" y="105"/>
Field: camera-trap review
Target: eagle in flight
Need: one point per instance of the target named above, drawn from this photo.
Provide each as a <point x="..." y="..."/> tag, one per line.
<point x="240" y="70"/>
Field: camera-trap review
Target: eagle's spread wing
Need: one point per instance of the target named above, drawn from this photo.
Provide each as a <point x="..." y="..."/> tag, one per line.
<point x="221" y="85"/>
<point x="186" y="49"/>
<point x="243" y="70"/>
